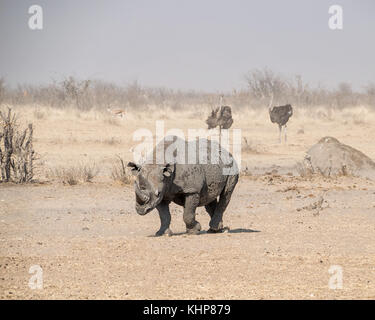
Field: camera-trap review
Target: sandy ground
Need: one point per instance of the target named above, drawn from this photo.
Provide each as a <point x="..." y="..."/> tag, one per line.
<point x="90" y="243"/>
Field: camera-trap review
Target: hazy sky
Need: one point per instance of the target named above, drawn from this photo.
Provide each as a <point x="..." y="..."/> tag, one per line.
<point x="187" y="44"/>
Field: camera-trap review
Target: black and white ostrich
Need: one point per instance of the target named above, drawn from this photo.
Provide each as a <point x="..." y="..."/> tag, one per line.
<point x="220" y="117"/>
<point x="280" y="115"/>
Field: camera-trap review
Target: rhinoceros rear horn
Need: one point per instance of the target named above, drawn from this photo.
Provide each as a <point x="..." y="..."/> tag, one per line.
<point x="135" y="168"/>
<point x="168" y="169"/>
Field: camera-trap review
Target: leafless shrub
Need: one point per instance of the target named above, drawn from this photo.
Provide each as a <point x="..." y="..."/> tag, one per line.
<point x="359" y="121"/>
<point x="265" y="83"/>
<point x="246" y="172"/>
<point x="303" y="170"/>
<point x="370" y="92"/>
<point x="316" y="206"/>
<point x="2" y="90"/>
<point x="261" y="85"/>
<point x="57" y="140"/>
<point x="112" y="121"/>
<point x="77" y="92"/>
<point x="112" y="141"/>
<point x="89" y="172"/>
<point x="64" y="175"/>
<point x="248" y="146"/>
<point x="119" y="172"/>
<point x="74" y="174"/>
<point x="17" y="155"/>
<point x="345" y="96"/>
<point x="38" y="114"/>
<point x="301" y="131"/>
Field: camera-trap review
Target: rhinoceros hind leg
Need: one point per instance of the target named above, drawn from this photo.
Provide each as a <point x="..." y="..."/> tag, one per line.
<point x="190" y="205"/>
<point x="216" y="223"/>
<point x="210" y="208"/>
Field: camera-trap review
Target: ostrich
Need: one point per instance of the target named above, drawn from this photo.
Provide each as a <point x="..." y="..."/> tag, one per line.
<point x="280" y="115"/>
<point x="222" y="117"/>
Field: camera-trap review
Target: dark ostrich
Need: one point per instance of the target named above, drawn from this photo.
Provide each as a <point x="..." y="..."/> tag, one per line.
<point x="281" y="115"/>
<point x="221" y="116"/>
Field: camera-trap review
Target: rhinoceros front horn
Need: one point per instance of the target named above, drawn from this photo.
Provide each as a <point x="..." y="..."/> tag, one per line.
<point x="142" y="195"/>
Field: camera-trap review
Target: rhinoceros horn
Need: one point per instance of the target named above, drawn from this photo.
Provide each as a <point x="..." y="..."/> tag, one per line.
<point x="141" y="194"/>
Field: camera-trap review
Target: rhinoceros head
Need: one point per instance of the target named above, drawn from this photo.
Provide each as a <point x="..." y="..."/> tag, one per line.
<point x="150" y="185"/>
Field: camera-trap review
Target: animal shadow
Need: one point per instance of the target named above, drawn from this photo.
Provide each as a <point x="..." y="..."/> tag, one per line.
<point x="238" y="230"/>
<point x="242" y="230"/>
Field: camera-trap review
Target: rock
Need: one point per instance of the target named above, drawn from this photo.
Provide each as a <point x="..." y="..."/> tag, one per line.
<point x="330" y="158"/>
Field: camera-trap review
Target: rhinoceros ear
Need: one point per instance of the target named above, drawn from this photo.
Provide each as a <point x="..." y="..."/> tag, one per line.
<point x="135" y="169"/>
<point x="168" y="169"/>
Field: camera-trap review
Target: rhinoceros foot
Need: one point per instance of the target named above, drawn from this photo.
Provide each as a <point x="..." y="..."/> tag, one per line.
<point x="220" y="230"/>
<point x="194" y="230"/>
<point x="168" y="232"/>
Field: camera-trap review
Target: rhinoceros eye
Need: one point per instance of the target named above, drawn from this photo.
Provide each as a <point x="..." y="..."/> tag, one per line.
<point x="142" y="182"/>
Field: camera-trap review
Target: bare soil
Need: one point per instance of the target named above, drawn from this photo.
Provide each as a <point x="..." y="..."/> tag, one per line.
<point x="91" y="244"/>
<point x="285" y="232"/>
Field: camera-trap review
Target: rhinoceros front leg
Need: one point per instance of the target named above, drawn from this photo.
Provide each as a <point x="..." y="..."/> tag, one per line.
<point x="191" y="203"/>
<point x="165" y="219"/>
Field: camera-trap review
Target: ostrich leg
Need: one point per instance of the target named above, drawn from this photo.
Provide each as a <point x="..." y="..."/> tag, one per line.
<point x="285" y="133"/>
<point x="280" y="128"/>
<point x="220" y="136"/>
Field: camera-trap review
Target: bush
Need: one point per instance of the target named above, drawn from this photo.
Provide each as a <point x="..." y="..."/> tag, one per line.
<point x="16" y="150"/>
<point x="263" y="86"/>
<point x="119" y="172"/>
<point x="74" y="174"/>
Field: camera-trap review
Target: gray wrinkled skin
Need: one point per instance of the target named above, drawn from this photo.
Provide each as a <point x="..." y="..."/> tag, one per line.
<point x="188" y="185"/>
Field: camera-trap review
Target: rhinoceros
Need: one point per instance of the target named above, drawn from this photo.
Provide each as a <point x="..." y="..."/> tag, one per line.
<point x="188" y="183"/>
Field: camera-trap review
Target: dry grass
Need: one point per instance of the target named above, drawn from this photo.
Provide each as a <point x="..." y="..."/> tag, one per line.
<point x="112" y="121"/>
<point x="302" y="170"/>
<point x="39" y="115"/>
<point x="119" y="172"/>
<point x="249" y="146"/>
<point x="74" y="174"/>
<point x="112" y="141"/>
<point x="65" y="137"/>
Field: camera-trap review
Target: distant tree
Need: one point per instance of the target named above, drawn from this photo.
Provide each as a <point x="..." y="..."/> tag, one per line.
<point x="370" y="93"/>
<point x="2" y="89"/>
<point x="76" y="91"/>
<point x="266" y="84"/>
